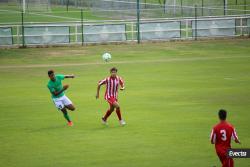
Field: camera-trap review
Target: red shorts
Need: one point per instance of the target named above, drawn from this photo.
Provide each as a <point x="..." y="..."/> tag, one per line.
<point x="111" y="100"/>
<point x="225" y="161"/>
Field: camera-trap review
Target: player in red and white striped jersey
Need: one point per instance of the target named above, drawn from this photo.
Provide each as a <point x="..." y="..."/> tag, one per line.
<point x="221" y="136"/>
<point x="111" y="94"/>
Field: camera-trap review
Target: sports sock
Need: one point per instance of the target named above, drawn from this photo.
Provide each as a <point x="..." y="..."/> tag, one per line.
<point x="108" y="113"/>
<point x="118" y="112"/>
<point x="66" y="116"/>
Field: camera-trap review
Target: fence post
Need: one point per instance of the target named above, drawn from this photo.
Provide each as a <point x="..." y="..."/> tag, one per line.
<point x="132" y="31"/>
<point x="186" y="29"/>
<point x="195" y="22"/>
<point x="245" y="7"/>
<point x="202" y="5"/>
<point x="17" y="33"/>
<point x="164" y="6"/>
<point x="23" y="41"/>
<point x="225" y="7"/>
<point x="241" y="28"/>
<point x="67" y="5"/>
<point x="138" y="22"/>
<point x="174" y="8"/>
<point x="76" y="35"/>
<point x="82" y="25"/>
<point x="181" y="9"/>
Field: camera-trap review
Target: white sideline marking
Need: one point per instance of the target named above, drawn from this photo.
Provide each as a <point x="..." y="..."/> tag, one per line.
<point x="228" y="78"/>
<point x="61" y="17"/>
<point x="123" y="62"/>
<point x="42" y="14"/>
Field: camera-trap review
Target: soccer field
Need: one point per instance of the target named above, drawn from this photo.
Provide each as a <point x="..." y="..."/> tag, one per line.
<point x="173" y="93"/>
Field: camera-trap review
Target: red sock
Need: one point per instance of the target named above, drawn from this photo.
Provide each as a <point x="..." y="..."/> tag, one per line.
<point x="118" y="112"/>
<point x="108" y="113"/>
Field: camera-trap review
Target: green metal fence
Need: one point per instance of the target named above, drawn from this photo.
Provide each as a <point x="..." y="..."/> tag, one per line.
<point x="121" y="31"/>
<point x="76" y="27"/>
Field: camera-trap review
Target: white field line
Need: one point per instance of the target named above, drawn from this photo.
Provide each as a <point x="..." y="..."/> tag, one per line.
<point x="190" y="59"/>
<point x="61" y="17"/>
<point x="42" y="14"/>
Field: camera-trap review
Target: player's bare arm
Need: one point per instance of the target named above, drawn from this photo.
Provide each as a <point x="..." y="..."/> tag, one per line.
<point x="97" y="92"/>
<point x="70" y="76"/>
<point x="237" y="141"/>
<point x="121" y="83"/>
<point x="212" y="137"/>
<point x="235" y="137"/>
<point x="65" y="87"/>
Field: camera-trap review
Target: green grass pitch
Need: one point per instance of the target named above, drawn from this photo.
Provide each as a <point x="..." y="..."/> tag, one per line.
<point x="173" y="92"/>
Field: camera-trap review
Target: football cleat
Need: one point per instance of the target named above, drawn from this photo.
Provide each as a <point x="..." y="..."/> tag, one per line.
<point x="104" y="122"/>
<point x="122" y="122"/>
<point x="70" y="123"/>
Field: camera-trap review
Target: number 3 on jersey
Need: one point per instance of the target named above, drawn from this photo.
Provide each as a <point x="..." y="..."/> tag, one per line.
<point x="223" y="134"/>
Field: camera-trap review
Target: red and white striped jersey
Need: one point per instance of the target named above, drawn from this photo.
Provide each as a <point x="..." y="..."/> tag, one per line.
<point x="221" y="135"/>
<point x="112" y="86"/>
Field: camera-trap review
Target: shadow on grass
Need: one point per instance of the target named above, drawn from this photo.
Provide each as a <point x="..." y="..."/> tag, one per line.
<point x="99" y="128"/>
<point x="49" y="128"/>
<point x="105" y="127"/>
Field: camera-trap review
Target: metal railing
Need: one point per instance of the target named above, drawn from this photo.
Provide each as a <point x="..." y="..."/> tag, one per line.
<point x="188" y="28"/>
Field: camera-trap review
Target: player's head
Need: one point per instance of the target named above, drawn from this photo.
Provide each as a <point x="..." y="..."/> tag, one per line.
<point x="51" y="74"/>
<point x="113" y="72"/>
<point x="222" y="114"/>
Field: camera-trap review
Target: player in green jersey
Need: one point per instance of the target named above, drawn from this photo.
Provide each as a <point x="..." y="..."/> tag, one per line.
<point x="61" y="101"/>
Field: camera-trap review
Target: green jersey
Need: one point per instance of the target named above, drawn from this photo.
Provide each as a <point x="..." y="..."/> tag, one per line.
<point x="56" y="86"/>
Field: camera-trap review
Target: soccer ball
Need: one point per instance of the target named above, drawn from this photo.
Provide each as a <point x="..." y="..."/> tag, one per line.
<point x="106" y="56"/>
